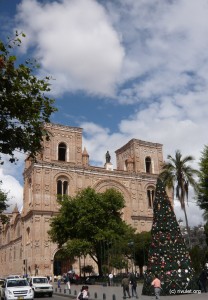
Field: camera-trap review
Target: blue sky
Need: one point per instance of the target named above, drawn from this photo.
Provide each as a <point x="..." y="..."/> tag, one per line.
<point x="121" y="69"/>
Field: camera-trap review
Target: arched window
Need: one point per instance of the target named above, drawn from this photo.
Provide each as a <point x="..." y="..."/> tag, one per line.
<point x="150" y="196"/>
<point x="148" y="165"/>
<point x="8" y="236"/>
<point x="62" y="187"/>
<point x="30" y="190"/>
<point x="18" y="229"/>
<point x="28" y="235"/>
<point x="62" y="152"/>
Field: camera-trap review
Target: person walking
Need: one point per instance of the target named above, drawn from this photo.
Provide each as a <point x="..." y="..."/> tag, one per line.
<point x="110" y="276"/>
<point x="68" y="283"/>
<point x="84" y="293"/>
<point x="156" y="283"/>
<point x="133" y="286"/>
<point x="125" y="284"/>
<point x="203" y="281"/>
<point x="59" y="281"/>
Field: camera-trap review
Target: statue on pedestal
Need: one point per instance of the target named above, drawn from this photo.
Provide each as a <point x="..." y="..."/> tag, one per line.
<point x="107" y="157"/>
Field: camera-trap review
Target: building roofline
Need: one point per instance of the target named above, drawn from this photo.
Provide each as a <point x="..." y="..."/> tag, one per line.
<point x="140" y="142"/>
<point x="60" y="126"/>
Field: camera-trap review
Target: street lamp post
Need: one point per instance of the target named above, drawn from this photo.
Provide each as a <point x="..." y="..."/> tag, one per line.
<point x="132" y="246"/>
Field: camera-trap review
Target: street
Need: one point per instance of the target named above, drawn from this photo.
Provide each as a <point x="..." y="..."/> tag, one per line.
<point x="100" y="292"/>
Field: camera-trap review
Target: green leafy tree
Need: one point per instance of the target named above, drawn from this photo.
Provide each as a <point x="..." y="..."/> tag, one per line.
<point x="142" y="243"/>
<point x="122" y="251"/>
<point x="3" y="206"/>
<point x="202" y="195"/>
<point x="198" y="257"/>
<point x="120" y="262"/>
<point x="93" y="222"/>
<point x="206" y="232"/>
<point x="87" y="269"/>
<point x="178" y="176"/>
<point x="168" y="256"/>
<point x="24" y="105"/>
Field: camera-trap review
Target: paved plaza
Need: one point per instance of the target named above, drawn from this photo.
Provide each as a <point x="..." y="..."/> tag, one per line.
<point x="99" y="292"/>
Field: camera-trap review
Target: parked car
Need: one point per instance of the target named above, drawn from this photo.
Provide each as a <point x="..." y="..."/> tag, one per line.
<point x="16" y="288"/>
<point x="13" y="276"/>
<point x="89" y="280"/>
<point x="41" y="286"/>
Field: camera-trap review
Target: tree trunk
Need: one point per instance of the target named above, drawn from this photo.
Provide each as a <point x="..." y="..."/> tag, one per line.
<point x="187" y="227"/>
<point x="99" y="264"/>
<point x="141" y="271"/>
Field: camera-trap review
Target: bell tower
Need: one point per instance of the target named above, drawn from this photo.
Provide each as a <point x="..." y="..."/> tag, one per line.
<point x="63" y="148"/>
<point x="138" y="156"/>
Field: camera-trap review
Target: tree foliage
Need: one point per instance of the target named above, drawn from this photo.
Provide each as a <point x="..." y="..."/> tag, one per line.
<point x="91" y="223"/>
<point x="87" y="269"/>
<point x="202" y="195"/>
<point x="3" y="206"/>
<point x="177" y="175"/>
<point x="206" y="233"/>
<point x="142" y="243"/>
<point x="198" y="258"/>
<point x="24" y="104"/>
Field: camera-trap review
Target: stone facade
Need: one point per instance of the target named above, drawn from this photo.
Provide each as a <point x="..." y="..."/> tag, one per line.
<point x="63" y="168"/>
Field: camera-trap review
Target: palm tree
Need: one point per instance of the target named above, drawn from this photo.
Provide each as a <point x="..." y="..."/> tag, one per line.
<point x="177" y="175"/>
<point x="205" y="216"/>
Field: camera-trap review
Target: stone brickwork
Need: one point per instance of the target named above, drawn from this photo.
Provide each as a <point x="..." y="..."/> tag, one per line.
<point x="63" y="167"/>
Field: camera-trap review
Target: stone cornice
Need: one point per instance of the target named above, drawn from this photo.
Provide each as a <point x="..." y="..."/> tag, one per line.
<point x="11" y="243"/>
<point x="140" y="143"/>
<point x="142" y="218"/>
<point x="99" y="171"/>
<point x="62" y="127"/>
<point x="33" y="212"/>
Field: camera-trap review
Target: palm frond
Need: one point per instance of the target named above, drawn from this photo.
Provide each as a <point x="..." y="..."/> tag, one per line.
<point x="176" y="173"/>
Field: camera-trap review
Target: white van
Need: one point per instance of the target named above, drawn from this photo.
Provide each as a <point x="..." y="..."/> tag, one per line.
<point x="41" y="286"/>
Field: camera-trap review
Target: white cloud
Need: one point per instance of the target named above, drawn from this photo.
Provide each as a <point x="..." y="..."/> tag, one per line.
<point x="12" y="180"/>
<point x="14" y="189"/>
<point x="194" y="213"/>
<point x="75" y="43"/>
<point x="154" y="52"/>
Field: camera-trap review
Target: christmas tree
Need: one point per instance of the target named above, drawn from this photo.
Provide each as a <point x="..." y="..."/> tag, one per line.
<point x="168" y="256"/>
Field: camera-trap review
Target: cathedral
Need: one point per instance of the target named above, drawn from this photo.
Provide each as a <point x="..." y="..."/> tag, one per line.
<point x="63" y="167"/>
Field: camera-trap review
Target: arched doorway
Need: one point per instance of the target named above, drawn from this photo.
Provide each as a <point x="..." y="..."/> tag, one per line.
<point x="61" y="263"/>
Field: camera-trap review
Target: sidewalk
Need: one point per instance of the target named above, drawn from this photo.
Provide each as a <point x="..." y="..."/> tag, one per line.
<point x="99" y="292"/>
